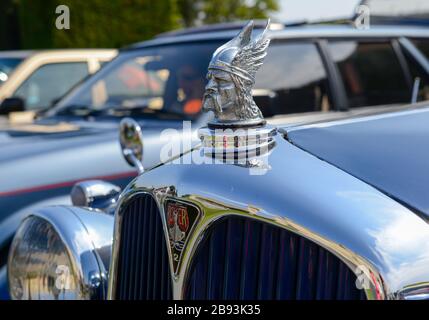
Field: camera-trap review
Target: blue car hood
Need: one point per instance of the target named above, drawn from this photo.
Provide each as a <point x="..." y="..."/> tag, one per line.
<point x="389" y="152"/>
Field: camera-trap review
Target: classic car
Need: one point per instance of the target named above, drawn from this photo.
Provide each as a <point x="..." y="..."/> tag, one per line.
<point x="34" y="80"/>
<point x="327" y="207"/>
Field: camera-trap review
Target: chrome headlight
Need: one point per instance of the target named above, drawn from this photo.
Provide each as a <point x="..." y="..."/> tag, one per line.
<point x="59" y="253"/>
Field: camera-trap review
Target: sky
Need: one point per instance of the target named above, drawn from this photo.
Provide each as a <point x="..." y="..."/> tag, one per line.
<point x="296" y="10"/>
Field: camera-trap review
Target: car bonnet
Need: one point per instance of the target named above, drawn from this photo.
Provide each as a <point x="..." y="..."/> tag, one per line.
<point x="388" y="151"/>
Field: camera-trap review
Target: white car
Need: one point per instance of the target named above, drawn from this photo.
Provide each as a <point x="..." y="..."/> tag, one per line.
<point x="33" y="80"/>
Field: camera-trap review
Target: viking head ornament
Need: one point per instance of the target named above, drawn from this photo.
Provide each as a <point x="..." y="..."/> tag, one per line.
<point x="231" y="76"/>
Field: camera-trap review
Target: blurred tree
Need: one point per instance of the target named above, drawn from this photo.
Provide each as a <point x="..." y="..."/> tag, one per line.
<point x="9" y="26"/>
<point x="30" y="24"/>
<point x="95" y="23"/>
<point x="195" y="12"/>
<point x="36" y="23"/>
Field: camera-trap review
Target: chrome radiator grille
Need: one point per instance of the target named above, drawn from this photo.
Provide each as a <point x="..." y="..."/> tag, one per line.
<point x="143" y="268"/>
<point x="246" y="259"/>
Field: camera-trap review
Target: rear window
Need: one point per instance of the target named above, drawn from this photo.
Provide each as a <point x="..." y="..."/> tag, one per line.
<point x="292" y="80"/>
<point x="371" y="73"/>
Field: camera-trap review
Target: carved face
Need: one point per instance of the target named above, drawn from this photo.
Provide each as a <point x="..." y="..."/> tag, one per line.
<point x="220" y="91"/>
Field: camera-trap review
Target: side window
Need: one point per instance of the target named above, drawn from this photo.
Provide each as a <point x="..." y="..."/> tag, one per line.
<point x="371" y="73"/>
<point x="291" y="80"/>
<point x="422" y="45"/>
<point x="50" y="82"/>
<point x="134" y="82"/>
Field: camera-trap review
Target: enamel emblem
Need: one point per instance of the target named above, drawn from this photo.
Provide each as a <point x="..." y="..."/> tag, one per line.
<point x="180" y="220"/>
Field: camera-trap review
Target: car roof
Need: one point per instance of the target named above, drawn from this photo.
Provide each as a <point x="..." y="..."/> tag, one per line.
<point x="16" y="53"/>
<point x="216" y="32"/>
<point x="28" y="53"/>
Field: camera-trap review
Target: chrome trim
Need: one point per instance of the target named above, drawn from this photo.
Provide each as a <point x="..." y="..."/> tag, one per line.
<point x="131" y="141"/>
<point x="96" y="194"/>
<point x="363" y="227"/>
<point x="83" y="231"/>
<point x="418" y="291"/>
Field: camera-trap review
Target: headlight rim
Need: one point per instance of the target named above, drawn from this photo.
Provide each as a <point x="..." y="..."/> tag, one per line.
<point x="66" y="223"/>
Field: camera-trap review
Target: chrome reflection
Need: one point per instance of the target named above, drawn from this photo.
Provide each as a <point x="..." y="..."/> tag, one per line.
<point x="61" y="253"/>
<point x="131" y="140"/>
<point x="381" y="241"/>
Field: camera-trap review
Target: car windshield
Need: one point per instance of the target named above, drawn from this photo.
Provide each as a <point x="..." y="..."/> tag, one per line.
<point x="164" y="80"/>
<point x="7" y="65"/>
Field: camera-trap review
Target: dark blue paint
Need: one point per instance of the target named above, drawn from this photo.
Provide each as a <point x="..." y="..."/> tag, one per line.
<point x="274" y="264"/>
<point x="232" y="267"/>
<point x="4" y="287"/>
<point x="388" y="152"/>
<point x="287" y="267"/>
<point x="250" y="254"/>
<point x="142" y="274"/>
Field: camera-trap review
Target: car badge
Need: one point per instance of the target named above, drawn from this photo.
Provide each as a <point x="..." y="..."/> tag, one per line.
<point x="180" y="219"/>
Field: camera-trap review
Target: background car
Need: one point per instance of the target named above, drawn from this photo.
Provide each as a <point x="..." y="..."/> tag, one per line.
<point x="33" y="80"/>
<point x="311" y="72"/>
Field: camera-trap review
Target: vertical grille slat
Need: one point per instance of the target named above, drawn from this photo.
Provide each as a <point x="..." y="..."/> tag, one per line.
<point x="286" y="275"/>
<point x="321" y="276"/>
<point x="138" y="248"/>
<point x="133" y="260"/>
<point x="156" y="260"/>
<point x="143" y="267"/>
<point x="261" y="259"/>
<point x="245" y="259"/>
<point x="250" y="266"/>
<point x="307" y="273"/>
<point x="149" y="260"/>
<point x="217" y="247"/>
<point x="228" y="258"/>
<point x="144" y="244"/>
<point x="269" y="256"/>
<point x="244" y="255"/>
<point x="232" y="269"/>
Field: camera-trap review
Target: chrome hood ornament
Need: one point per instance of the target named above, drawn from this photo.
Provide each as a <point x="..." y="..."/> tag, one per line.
<point x="238" y="135"/>
<point x="231" y="75"/>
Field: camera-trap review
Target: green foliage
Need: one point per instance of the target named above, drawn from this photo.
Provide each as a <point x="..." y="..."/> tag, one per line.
<point x="36" y="23"/>
<point x="212" y="11"/>
<point x="30" y="24"/>
<point x="101" y="23"/>
<point x="94" y="23"/>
